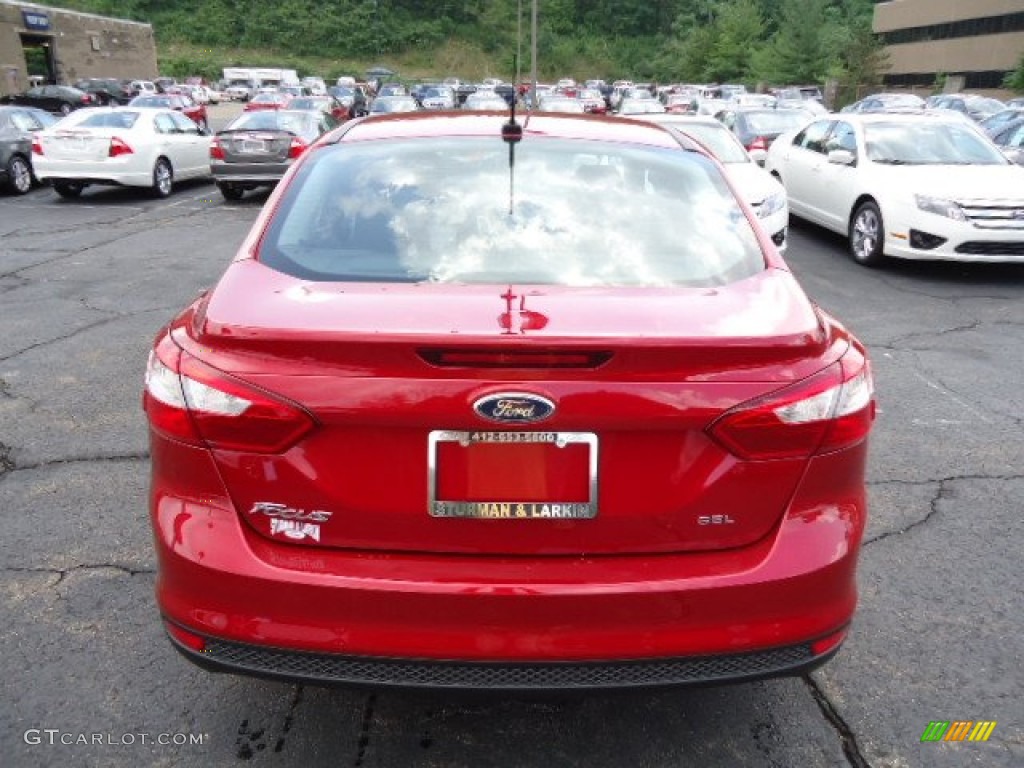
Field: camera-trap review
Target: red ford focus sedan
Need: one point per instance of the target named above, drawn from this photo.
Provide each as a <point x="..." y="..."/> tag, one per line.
<point x="529" y="408"/>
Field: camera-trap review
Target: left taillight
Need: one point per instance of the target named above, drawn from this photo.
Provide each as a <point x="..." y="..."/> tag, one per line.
<point x="194" y="403"/>
<point x="297" y="147"/>
<point x="119" y="147"/>
<point x="37" y="146"/>
<point x="829" y="411"/>
<point x="216" y="149"/>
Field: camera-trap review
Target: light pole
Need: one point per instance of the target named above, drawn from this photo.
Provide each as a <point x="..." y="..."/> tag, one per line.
<point x="533" y="57"/>
<point x="519" y="43"/>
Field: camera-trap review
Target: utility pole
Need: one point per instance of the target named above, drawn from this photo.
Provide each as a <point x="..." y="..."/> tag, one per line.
<point x="519" y="43"/>
<point x="533" y="57"/>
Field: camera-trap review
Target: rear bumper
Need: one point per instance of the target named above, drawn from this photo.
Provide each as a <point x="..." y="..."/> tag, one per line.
<point x="274" y="609"/>
<point x="328" y="669"/>
<point x="249" y="173"/>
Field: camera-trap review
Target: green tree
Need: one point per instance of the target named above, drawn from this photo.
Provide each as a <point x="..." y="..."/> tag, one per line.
<point x="797" y="51"/>
<point x="739" y="30"/>
<point x="1015" y="79"/>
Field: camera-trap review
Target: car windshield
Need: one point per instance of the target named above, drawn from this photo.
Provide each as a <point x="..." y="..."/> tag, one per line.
<point x="109" y="120"/>
<point x="445" y="210"/>
<point x="717" y="138"/>
<point x="937" y="143"/>
<point x="773" y="121"/>
<point x="394" y="104"/>
<point x="985" y="106"/>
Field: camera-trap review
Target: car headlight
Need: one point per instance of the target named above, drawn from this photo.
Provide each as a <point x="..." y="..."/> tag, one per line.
<point x="772" y="204"/>
<point x="941" y="206"/>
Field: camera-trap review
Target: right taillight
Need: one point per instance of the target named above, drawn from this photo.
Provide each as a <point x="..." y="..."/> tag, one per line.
<point x="826" y="412"/>
<point x="759" y="143"/>
<point x="190" y="401"/>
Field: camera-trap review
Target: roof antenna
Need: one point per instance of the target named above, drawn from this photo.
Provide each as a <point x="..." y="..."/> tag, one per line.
<point x="512" y="134"/>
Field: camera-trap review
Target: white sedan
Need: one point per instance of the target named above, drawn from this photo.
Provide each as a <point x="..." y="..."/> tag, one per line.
<point x="763" y="194"/>
<point x="123" y="146"/>
<point x="906" y="186"/>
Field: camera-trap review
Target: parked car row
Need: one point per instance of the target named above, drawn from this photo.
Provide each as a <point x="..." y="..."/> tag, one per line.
<point x="923" y="184"/>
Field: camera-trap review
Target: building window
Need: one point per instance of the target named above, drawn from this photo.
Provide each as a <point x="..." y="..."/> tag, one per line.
<point x="972" y="80"/>
<point x="989" y="25"/>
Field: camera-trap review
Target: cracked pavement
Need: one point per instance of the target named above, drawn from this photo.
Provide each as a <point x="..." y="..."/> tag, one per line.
<point x="84" y="287"/>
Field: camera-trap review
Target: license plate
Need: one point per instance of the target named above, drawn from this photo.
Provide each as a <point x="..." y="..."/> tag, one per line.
<point x="512" y="475"/>
<point x="254" y="145"/>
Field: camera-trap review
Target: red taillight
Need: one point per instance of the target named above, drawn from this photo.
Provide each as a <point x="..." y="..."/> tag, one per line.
<point x="759" y="143"/>
<point x="297" y="147"/>
<point x="118" y="147"/>
<point x="187" y="400"/>
<point x="86" y="98"/>
<point x="216" y="150"/>
<point x="831" y="410"/>
<point x="37" y="146"/>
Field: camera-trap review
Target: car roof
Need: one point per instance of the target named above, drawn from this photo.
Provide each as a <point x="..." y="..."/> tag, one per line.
<point x="555" y="125"/>
<point x="901" y="117"/>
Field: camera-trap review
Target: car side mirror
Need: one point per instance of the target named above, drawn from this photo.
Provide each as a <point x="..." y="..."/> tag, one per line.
<point x="842" y="157"/>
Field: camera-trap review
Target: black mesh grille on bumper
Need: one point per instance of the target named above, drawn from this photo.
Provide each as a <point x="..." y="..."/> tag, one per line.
<point x="331" y="668"/>
<point x="984" y="248"/>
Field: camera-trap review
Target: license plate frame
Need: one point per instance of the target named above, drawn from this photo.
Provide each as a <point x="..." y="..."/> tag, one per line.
<point x="512" y="510"/>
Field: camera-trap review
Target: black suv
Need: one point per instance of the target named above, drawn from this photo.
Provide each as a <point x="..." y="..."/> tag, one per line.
<point x="108" y="90"/>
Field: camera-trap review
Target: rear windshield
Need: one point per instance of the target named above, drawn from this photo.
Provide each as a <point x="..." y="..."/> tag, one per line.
<point x="299" y="123"/>
<point x="447" y="210"/>
<point x="109" y="120"/>
<point x="151" y="101"/>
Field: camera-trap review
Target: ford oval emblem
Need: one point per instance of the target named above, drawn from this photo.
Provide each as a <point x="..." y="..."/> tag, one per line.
<point x="514" y="407"/>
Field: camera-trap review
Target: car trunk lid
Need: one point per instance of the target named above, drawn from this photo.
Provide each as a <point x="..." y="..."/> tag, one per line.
<point x="411" y="387"/>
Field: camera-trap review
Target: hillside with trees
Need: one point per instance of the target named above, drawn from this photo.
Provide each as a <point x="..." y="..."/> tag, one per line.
<point x="750" y="41"/>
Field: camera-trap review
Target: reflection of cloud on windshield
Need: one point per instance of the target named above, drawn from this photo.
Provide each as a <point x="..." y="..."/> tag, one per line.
<point x="561" y="232"/>
<point x="582" y="214"/>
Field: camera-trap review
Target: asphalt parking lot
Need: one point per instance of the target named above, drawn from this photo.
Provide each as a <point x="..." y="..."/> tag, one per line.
<point x="86" y="284"/>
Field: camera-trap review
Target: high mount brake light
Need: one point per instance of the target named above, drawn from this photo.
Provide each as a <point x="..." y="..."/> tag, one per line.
<point x="190" y="401"/>
<point x="829" y="411"/>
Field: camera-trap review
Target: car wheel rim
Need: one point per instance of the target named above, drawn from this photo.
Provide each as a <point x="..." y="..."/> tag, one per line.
<point x="21" y="177"/>
<point x="65" y="109"/>
<point x="163" y="178"/>
<point x="865" y="234"/>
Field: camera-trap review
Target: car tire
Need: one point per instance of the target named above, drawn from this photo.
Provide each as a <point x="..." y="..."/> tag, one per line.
<point x="163" y="178"/>
<point x="867" y="235"/>
<point x="19" y="175"/>
<point x="65" y="108"/>
<point x="231" y="192"/>
<point x="68" y="190"/>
